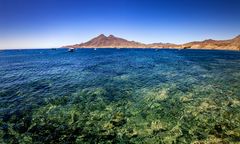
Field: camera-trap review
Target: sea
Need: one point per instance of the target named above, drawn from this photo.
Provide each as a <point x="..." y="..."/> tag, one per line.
<point x="166" y="96"/>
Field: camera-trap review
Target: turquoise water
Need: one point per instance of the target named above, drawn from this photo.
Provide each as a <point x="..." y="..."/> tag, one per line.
<point x="119" y="96"/>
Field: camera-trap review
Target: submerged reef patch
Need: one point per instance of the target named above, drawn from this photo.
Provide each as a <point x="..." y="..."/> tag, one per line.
<point x="122" y="96"/>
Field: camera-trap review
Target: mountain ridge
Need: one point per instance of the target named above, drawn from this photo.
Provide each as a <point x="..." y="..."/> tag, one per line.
<point x="112" y="41"/>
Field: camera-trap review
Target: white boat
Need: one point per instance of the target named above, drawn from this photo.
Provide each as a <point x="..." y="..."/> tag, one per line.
<point x="95" y="49"/>
<point x="71" y="49"/>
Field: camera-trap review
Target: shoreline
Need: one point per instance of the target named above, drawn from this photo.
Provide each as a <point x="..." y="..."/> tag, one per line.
<point x="20" y="49"/>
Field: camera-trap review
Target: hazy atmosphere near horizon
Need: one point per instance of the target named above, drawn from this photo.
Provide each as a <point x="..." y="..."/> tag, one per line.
<point x="54" y="23"/>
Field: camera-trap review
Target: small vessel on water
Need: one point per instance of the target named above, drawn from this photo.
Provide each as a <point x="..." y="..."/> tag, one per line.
<point x="95" y="49"/>
<point x="71" y="49"/>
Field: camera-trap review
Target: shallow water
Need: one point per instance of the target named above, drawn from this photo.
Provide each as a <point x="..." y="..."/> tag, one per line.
<point x="119" y="96"/>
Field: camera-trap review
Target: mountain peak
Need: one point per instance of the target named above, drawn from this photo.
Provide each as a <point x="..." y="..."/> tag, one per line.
<point x="111" y="36"/>
<point x="102" y="35"/>
<point x="209" y="40"/>
<point x="111" y="41"/>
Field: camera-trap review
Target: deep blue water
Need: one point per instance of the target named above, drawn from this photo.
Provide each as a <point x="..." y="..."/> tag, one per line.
<point x="119" y="96"/>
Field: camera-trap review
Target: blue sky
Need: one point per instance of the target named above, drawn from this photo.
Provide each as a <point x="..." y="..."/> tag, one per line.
<point x="53" y="23"/>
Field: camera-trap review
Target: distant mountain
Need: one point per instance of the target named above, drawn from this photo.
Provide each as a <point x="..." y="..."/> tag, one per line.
<point x="163" y="45"/>
<point x="111" y="41"/>
<point x="232" y="44"/>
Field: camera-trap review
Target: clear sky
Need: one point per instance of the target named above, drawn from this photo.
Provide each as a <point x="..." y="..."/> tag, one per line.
<point x="54" y="23"/>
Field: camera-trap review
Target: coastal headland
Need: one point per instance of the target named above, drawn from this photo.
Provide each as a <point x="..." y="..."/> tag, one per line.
<point x="112" y="41"/>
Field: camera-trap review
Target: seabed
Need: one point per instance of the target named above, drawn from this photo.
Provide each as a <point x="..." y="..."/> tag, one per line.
<point x="129" y="96"/>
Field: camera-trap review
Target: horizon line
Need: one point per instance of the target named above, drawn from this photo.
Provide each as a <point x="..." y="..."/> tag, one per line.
<point x="20" y="48"/>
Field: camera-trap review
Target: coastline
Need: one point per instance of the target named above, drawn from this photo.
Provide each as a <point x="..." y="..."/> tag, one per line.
<point x="119" y="48"/>
<point x="226" y="49"/>
<point x="111" y="41"/>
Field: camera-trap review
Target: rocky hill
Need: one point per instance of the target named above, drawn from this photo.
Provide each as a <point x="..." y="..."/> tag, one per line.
<point x="232" y="44"/>
<point x="111" y="41"/>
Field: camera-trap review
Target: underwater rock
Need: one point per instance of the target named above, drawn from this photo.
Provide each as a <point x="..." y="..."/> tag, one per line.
<point x="206" y="105"/>
<point x="118" y="119"/>
<point x="157" y="126"/>
<point x="211" y="140"/>
<point x="26" y="140"/>
<point x="132" y="133"/>
<point x="186" y="98"/>
<point x="235" y="103"/>
<point x="108" y="126"/>
<point x="162" y="95"/>
<point x="234" y="133"/>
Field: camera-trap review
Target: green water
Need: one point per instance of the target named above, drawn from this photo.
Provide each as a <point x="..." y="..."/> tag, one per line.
<point x="119" y="96"/>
